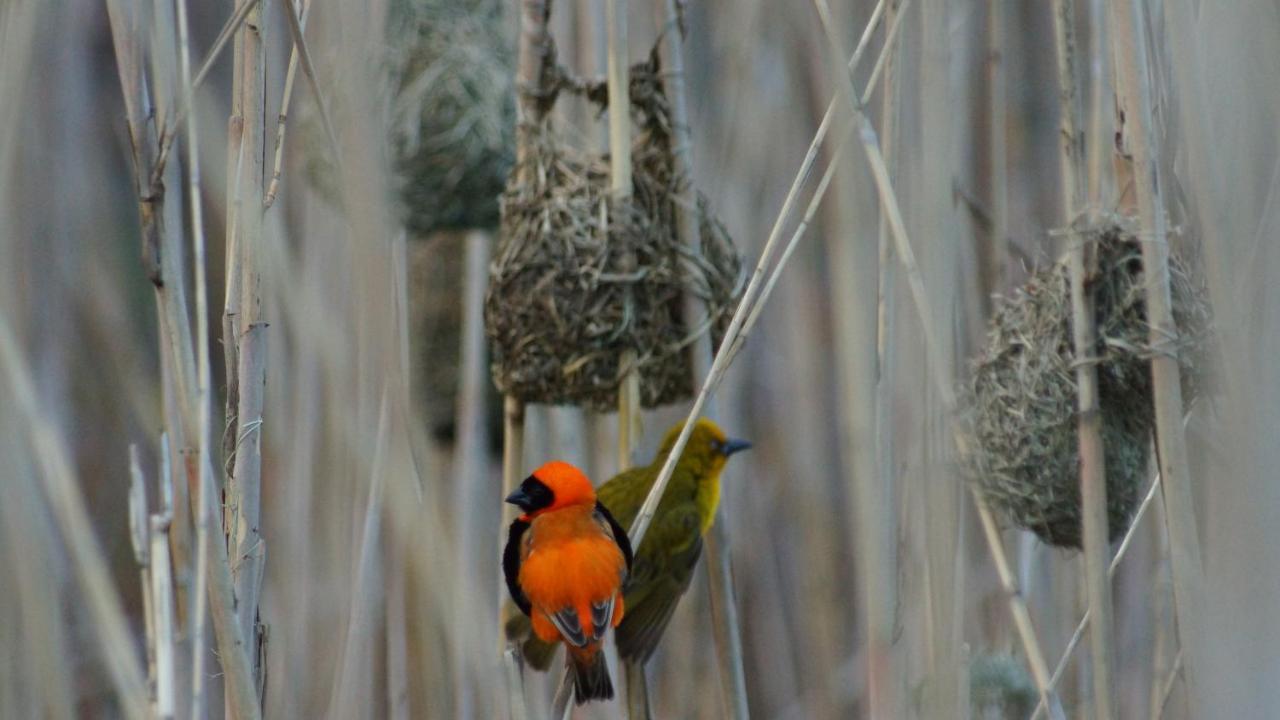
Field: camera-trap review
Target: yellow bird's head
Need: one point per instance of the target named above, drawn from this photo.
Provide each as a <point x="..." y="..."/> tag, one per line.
<point x="707" y="450"/>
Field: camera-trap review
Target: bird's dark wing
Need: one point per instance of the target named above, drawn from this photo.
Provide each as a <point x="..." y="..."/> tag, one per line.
<point x="660" y="576"/>
<point x="511" y="564"/>
<point x="602" y="615"/>
<point x="619" y="535"/>
<point x="566" y="621"/>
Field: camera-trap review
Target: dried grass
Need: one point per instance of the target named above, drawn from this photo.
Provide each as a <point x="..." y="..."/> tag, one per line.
<point x="579" y="277"/>
<point x="1021" y="404"/>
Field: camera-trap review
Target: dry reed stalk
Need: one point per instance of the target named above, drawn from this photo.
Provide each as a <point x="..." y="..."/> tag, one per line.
<point x="820" y="191"/>
<point x="138" y="537"/>
<point x="162" y="605"/>
<point x="472" y="438"/>
<point x="176" y="343"/>
<point x="1097" y="147"/>
<point x="1093" y="479"/>
<point x="244" y="485"/>
<point x="856" y="321"/>
<point x="351" y="693"/>
<point x="277" y="169"/>
<point x="733" y="334"/>
<point x="1121" y="551"/>
<point x="724" y="606"/>
<point x="992" y="265"/>
<point x="219" y="44"/>
<point x="534" y="53"/>
<point x="203" y="445"/>
<point x="512" y="467"/>
<point x="308" y="69"/>
<point x="617" y="74"/>
<point x="885" y="677"/>
<point x="920" y="298"/>
<point x="67" y="505"/>
<point x="1131" y="45"/>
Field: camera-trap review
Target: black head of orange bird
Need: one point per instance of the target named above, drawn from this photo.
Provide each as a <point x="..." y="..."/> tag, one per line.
<point x="670" y="550"/>
<point x="565" y="562"/>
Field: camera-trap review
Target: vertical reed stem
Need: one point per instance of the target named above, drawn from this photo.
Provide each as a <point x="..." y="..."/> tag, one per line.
<point x="1132" y="49"/>
<point x="724" y="609"/>
<point x="1093" y="479"/>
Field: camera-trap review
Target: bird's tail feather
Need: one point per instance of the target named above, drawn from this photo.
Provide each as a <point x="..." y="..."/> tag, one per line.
<point x="590" y="675"/>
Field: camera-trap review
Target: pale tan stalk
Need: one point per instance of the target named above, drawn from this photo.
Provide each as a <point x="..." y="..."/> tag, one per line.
<point x="308" y="69"/>
<point x="171" y="129"/>
<point x="533" y="53"/>
<point x="176" y="343"/>
<point x="619" y="85"/>
<point x="1129" y="35"/>
<point x="920" y="298"/>
<point x="62" y="494"/>
<point x="724" y="607"/>
<point x="876" y="507"/>
<point x="244" y="487"/>
<point x="1093" y="478"/>
<point x="992" y="262"/>
<point x="1121" y="551"/>
<point x="290" y="75"/>
<point x="204" y="438"/>
<point x="472" y="437"/>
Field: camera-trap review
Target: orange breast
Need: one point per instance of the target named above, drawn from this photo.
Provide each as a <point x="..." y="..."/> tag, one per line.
<point x="569" y="560"/>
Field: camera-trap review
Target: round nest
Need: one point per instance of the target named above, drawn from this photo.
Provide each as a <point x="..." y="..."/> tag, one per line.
<point x="577" y="278"/>
<point x="1000" y="687"/>
<point x="453" y="110"/>
<point x="1021" y="406"/>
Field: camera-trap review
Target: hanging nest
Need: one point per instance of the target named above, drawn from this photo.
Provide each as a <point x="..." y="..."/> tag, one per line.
<point x="453" y="112"/>
<point x="1000" y="687"/>
<point x="577" y="278"/>
<point x="448" y="69"/>
<point x="1021" y="406"/>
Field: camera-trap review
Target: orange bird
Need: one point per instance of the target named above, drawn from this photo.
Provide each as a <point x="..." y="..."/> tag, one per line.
<point x="565" y="562"/>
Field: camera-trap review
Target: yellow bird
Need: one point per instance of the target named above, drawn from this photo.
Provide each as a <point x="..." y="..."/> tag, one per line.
<point x="664" y="563"/>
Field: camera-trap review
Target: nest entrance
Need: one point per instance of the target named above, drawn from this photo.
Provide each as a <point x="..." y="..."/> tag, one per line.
<point x="579" y="277"/>
<point x="1021" y="405"/>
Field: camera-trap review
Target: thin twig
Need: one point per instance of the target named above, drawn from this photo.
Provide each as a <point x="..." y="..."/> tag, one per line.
<point x="920" y="298"/>
<point x="820" y="191"/>
<point x="278" y="163"/>
<point x="308" y="69"/>
<point x="184" y="109"/>
<point x="1167" y="689"/>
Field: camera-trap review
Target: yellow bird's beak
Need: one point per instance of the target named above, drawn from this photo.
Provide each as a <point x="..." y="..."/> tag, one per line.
<point x="733" y="445"/>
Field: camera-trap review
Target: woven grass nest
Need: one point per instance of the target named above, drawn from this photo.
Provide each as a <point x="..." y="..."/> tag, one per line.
<point x="1021" y="406"/>
<point x="453" y="113"/>
<point x="578" y="278"/>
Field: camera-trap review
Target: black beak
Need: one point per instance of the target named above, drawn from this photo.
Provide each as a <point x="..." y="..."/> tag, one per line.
<point x="733" y="445"/>
<point x="519" y="498"/>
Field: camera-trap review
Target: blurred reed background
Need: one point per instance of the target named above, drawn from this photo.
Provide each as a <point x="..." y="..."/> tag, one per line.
<point x="855" y="546"/>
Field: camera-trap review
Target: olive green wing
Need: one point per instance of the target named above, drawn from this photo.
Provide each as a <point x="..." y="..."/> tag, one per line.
<point x="661" y="574"/>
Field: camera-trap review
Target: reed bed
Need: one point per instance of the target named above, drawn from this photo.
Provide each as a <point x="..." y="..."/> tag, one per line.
<point x="249" y="429"/>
